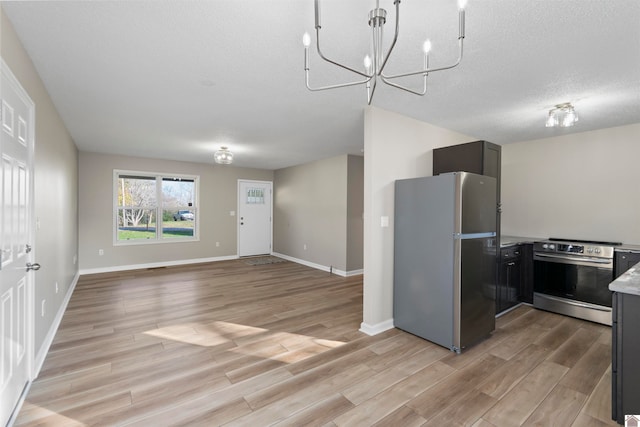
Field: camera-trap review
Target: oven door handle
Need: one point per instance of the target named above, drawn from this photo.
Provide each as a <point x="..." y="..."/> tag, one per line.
<point x="575" y="303"/>
<point x="565" y="259"/>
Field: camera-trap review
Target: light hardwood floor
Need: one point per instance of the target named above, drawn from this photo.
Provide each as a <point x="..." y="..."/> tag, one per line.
<point x="227" y="343"/>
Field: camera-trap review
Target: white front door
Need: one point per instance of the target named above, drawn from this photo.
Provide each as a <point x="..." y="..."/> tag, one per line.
<point x="16" y="315"/>
<point x="254" y="217"/>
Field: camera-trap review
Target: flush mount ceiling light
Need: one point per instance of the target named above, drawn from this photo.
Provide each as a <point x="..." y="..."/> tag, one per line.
<point x="223" y="156"/>
<point x="562" y="115"/>
<point x="374" y="65"/>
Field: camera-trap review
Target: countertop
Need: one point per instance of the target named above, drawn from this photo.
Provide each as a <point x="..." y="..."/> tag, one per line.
<point x="506" y="241"/>
<point x="628" y="283"/>
<point x="628" y="248"/>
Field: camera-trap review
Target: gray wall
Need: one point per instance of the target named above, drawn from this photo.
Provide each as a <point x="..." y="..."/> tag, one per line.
<point x="583" y="186"/>
<point x="355" y="209"/>
<point x="312" y="207"/>
<point x="218" y="197"/>
<point x="55" y="192"/>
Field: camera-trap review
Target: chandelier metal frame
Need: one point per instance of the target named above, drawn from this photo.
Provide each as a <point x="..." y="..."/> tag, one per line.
<point x="374" y="66"/>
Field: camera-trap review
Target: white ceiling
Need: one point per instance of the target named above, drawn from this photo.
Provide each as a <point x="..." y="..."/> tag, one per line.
<point x="178" y="79"/>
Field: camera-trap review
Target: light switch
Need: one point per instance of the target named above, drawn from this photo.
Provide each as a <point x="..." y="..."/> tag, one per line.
<point x="232" y="213"/>
<point x="384" y="221"/>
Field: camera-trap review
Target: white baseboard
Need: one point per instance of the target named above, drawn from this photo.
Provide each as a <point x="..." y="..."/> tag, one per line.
<point x="318" y="266"/>
<point x="377" y="328"/>
<point x="155" y="264"/>
<point x="48" y="340"/>
<point x="355" y="272"/>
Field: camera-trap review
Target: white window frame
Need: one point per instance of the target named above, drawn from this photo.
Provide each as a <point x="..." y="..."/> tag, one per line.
<point x="159" y="239"/>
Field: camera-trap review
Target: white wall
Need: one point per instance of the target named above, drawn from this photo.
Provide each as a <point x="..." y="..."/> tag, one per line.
<point x="583" y="186"/>
<point x="396" y="147"/>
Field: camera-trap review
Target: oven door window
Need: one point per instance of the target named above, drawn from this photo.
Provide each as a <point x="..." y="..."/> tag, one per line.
<point x="576" y="282"/>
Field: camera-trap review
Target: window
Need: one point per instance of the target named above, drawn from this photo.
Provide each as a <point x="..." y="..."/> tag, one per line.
<point x="153" y="208"/>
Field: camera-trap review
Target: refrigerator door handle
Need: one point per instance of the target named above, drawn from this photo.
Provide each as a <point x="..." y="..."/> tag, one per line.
<point x="462" y="236"/>
<point x="457" y="283"/>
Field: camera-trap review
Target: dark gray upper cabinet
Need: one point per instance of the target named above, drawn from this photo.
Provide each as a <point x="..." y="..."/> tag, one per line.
<point x="481" y="157"/>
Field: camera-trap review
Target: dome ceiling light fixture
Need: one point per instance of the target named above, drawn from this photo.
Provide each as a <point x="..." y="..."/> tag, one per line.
<point x="374" y="65"/>
<point x="562" y="115"/>
<point x="223" y="156"/>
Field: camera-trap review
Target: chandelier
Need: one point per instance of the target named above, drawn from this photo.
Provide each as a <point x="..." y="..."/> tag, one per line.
<point x="223" y="156"/>
<point x="562" y="115"/>
<point x="374" y="65"/>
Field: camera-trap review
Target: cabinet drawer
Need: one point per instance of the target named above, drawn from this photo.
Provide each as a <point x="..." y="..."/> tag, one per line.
<point x="510" y="252"/>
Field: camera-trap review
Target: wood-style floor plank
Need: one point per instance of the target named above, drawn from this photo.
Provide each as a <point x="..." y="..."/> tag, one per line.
<point x="232" y="344"/>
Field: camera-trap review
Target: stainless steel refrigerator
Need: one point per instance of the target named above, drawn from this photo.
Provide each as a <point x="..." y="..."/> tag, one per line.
<point x="445" y="258"/>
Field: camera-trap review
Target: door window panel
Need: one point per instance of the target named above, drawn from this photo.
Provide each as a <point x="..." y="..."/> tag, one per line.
<point x="255" y="196"/>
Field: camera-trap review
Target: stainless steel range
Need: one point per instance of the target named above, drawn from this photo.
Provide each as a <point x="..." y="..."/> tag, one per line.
<point x="572" y="277"/>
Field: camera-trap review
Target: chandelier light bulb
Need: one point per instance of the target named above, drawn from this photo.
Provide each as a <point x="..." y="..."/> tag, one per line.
<point x="306" y="39"/>
<point x="426" y="46"/>
<point x="462" y="4"/>
<point x="569" y="119"/>
<point x="367" y="63"/>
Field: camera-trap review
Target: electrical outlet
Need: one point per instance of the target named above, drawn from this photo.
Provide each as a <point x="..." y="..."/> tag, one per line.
<point x="232" y="213"/>
<point x="42" y="308"/>
<point x="217" y="244"/>
<point x="75" y="259"/>
<point x="304" y="246"/>
<point x="56" y="287"/>
<point x="100" y="252"/>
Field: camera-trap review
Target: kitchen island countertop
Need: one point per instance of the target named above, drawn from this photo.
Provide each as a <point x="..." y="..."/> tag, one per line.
<point x="628" y="283"/>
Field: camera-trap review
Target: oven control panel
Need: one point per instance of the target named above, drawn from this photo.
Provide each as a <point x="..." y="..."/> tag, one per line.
<point x="574" y="249"/>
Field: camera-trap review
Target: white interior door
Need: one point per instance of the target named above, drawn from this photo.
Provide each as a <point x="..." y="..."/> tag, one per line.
<point x="254" y="217"/>
<point x="16" y="315"/>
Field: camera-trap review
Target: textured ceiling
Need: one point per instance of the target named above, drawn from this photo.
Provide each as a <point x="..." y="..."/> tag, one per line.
<point x="178" y="79"/>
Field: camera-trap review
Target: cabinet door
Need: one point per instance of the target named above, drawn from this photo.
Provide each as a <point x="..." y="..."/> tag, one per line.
<point x="624" y="261"/>
<point x="509" y="279"/>
<point x="526" y="279"/>
<point x="459" y="158"/>
<point x="500" y="286"/>
<point x="514" y="278"/>
<point x="628" y="348"/>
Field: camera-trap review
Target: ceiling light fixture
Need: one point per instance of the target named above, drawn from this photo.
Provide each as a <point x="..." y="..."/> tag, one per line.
<point x="374" y="65"/>
<point x="223" y="156"/>
<point x="562" y="115"/>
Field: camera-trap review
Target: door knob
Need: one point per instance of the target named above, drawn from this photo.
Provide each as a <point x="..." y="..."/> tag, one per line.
<point x="35" y="266"/>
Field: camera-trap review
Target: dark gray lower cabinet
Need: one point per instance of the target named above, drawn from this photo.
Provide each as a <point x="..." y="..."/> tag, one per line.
<point x="509" y="278"/>
<point x="625" y="364"/>
<point x="526" y="284"/>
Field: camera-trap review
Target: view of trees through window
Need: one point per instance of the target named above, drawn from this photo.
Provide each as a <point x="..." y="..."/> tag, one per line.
<point x="155" y="207"/>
